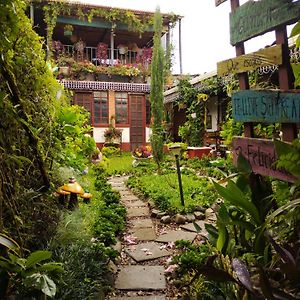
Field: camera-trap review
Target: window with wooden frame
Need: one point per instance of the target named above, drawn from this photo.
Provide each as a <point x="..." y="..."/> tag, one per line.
<point x="85" y="100"/>
<point x="100" y="115"/>
<point x="148" y="110"/>
<point x="121" y="106"/>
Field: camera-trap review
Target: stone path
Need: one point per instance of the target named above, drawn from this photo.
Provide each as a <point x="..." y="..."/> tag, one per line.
<point x="141" y="273"/>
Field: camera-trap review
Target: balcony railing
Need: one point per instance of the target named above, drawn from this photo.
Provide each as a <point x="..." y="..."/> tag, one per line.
<point x="105" y="57"/>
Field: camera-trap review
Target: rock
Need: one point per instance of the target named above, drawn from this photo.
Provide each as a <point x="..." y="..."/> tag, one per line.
<point x="180" y="219"/>
<point x="165" y="219"/>
<point x="118" y="246"/>
<point x="215" y="207"/>
<point x="190" y="218"/>
<point x="154" y="213"/>
<point x="112" y="267"/>
<point x="199" y="215"/>
<point x="161" y="214"/>
<point x="151" y="204"/>
<point x="200" y="208"/>
<point x="208" y="213"/>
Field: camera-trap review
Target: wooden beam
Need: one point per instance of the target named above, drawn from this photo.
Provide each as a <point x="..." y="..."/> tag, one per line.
<point x="218" y="2"/>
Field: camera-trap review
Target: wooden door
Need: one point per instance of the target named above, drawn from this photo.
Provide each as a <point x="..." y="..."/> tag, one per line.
<point x="137" y="120"/>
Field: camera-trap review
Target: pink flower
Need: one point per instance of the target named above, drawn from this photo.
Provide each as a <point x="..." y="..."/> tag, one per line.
<point x="171" y="268"/>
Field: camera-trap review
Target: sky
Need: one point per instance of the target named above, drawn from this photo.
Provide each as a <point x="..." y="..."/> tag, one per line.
<point x="205" y="31"/>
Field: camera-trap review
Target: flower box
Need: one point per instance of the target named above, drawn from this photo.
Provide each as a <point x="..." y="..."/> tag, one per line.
<point x="198" y="151"/>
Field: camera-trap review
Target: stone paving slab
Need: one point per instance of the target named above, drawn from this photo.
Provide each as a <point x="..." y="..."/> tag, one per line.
<point x="154" y="297"/>
<point x="146" y="251"/>
<point x="191" y="227"/>
<point x="120" y="188"/>
<point x="137" y="212"/>
<point x="142" y="223"/>
<point x="144" y="234"/>
<point x="141" y="278"/>
<point x="126" y="193"/>
<point x="137" y="203"/>
<point x="173" y="236"/>
<point x="130" y="197"/>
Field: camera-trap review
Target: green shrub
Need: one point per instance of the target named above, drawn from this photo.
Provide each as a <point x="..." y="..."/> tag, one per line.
<point x="109" y="151"/>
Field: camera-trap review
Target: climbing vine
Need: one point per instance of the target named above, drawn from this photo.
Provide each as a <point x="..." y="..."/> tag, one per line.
<point x="192" y="132"/>
<point x="135" y="22"/>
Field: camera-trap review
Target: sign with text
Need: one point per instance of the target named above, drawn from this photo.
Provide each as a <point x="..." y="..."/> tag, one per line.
<point x="252" y="61"/>
<point x="258" y="17"/>
<point x="261" y="155"/>
<point x="266" y="106"/>
<point x="218" y="2"/>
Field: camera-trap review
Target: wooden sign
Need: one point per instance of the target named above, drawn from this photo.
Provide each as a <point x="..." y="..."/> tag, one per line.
<point x="258" y="17"/>
<point x="252" y="61"/>
<point x="261" y="155"/>
<point x="266" y="106"/>
<point x="218" y="2"/>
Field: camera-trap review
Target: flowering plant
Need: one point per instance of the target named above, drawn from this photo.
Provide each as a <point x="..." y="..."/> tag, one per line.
<point x="142" y="152"/>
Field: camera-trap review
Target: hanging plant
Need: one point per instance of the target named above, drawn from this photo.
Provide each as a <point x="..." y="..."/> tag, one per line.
<point x="68" y="30"/>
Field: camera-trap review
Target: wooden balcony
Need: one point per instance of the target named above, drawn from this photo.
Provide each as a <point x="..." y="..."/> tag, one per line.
<point x="103" y="55"/>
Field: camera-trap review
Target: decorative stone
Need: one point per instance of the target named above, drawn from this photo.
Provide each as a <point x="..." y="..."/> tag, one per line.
<point x="161" y="214"/>
<point x="199" y="215"/>
<point x="190" y="218"/>
<point x="165" y="219"/>
<point x="180" y="219"/>
<point x="215" y="207"/>
<point x="208" y="213"/>
<point x="200" y="208"/>
<point x="154" y="213"/>
<point x="118" y="246"/>
<point x="141" y="278"/>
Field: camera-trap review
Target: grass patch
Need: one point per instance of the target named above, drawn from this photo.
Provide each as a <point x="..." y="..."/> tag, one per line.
<point x="120" y="164"/>
<point x="163" y="189"/>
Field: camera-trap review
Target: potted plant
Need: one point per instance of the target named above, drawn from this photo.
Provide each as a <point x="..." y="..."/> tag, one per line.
<point x="112" y="134"/>
<point x="68" y="30"/>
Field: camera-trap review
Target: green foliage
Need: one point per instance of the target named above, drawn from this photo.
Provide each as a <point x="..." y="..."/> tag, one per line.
<point x="289" y="156"/>
<point x="73" y="145"/>
<point x="192" y="132"/>
<point x="163" y="190"/>
<point x="156" y="91"/>
<point x="25" y="276"/>
<point x="110" y="151"/>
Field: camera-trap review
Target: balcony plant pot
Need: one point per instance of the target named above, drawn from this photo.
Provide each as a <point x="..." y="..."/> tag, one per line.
<point x="64" y="70"/>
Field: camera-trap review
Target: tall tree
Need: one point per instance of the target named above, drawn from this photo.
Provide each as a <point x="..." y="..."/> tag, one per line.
<point x="156" y="92"/>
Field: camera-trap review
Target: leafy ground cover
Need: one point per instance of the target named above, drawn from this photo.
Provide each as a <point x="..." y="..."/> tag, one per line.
<point x="163" y="190"/>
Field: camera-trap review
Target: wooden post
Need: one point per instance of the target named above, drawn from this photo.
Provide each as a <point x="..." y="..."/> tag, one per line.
<point x="243" y="77"/>
<point x="285" y="73"/>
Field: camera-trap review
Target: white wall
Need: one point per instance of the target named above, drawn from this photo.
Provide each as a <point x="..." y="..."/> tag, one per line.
<point x="212" y="109"/>
<point x="98" y="133"/>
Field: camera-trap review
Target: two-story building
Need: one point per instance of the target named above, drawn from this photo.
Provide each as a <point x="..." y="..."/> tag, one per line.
<point x="103" y="56"/>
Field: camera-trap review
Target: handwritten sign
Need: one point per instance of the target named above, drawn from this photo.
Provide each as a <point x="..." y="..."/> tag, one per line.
<point x="252" y="61"/>
<point x="218" y="2"/>
<point x="261" y="155"/>
<point x="258" y="17"/>
<point x="266" y="106"/>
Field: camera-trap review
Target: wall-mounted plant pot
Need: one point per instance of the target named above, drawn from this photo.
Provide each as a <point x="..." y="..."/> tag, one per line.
<point x="68" y="33"/>
<point x="64" y="70"/>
